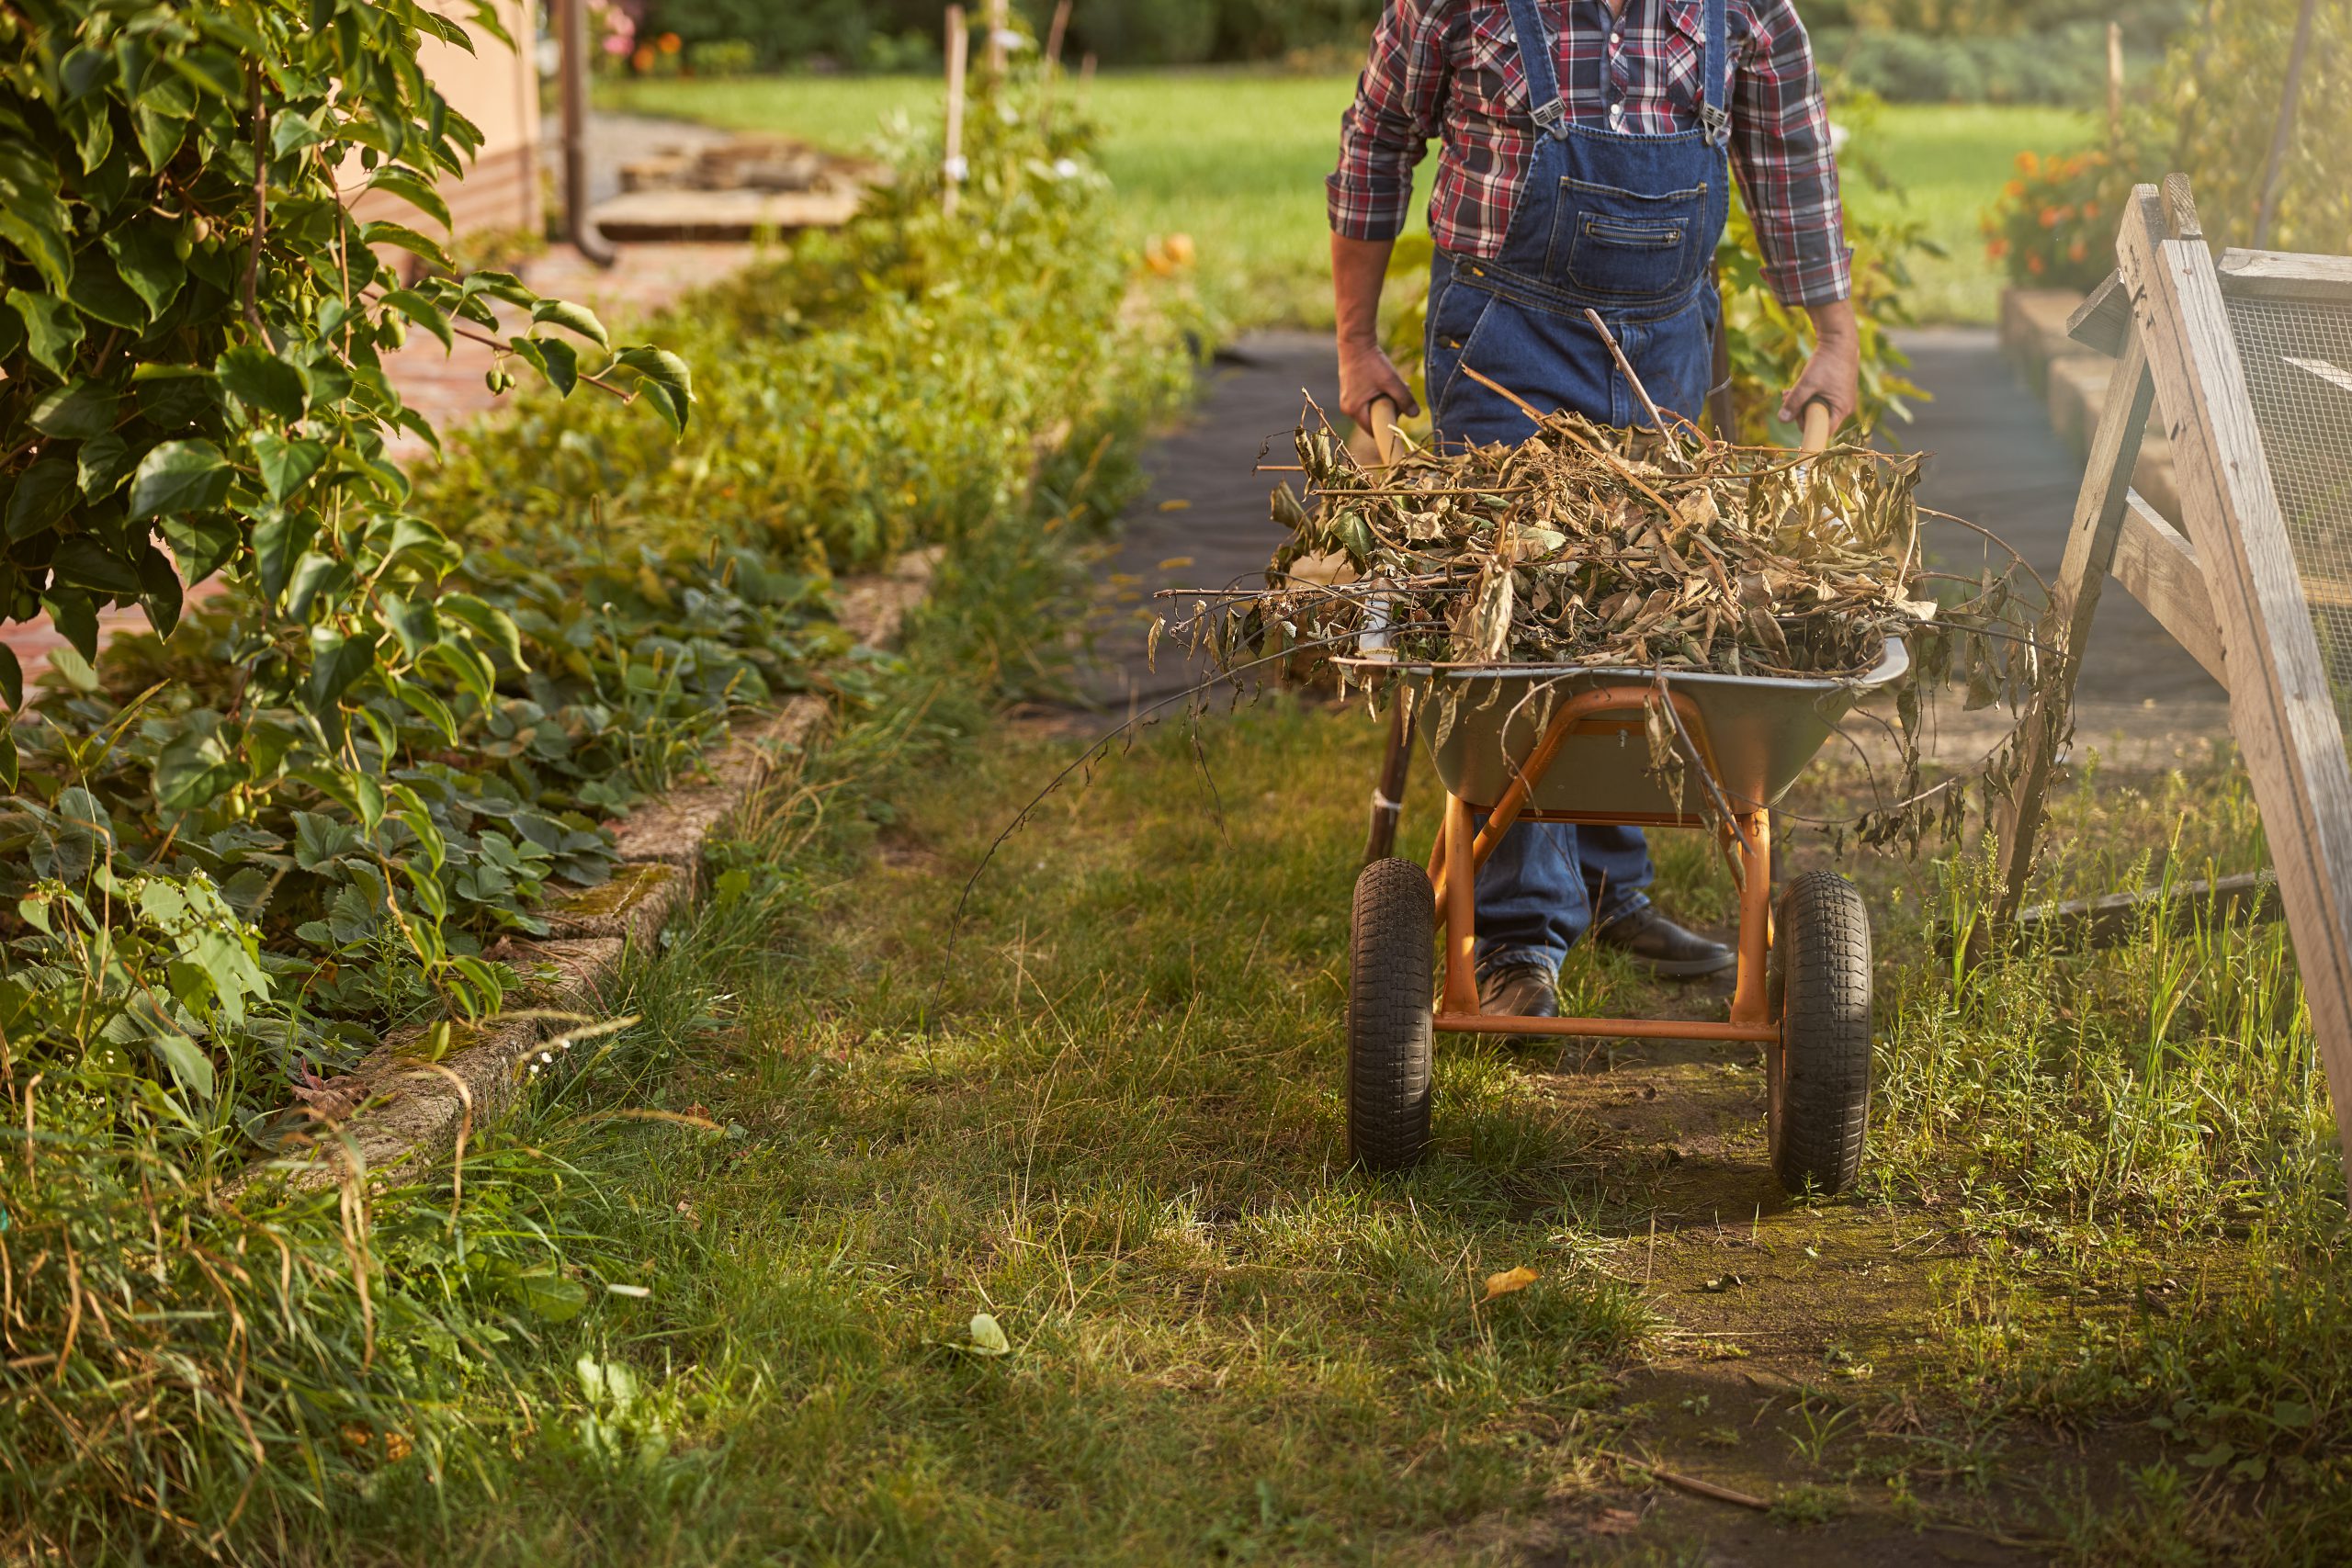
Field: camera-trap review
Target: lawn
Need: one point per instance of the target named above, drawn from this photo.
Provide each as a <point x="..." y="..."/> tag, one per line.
<point x="1237" y="161"/>
<point x="1026" y="1235"/>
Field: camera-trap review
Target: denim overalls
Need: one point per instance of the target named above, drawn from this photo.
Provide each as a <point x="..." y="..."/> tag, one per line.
<point x="1627" y="225"/>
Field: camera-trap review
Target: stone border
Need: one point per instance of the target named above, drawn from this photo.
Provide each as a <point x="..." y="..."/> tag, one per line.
<point x="393" y="1109"/>
<point x="2070" y="379"/>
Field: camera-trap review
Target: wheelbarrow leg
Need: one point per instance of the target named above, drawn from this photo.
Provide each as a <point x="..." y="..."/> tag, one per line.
<point x="1388" y="791"/>
<point x="1752" y="840"/>
<point x="1461" y="992"/>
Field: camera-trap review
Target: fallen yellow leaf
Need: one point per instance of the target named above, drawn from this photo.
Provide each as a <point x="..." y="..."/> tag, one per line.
<point x="1175" y="506"/>
<point x="1509" y="1282"/>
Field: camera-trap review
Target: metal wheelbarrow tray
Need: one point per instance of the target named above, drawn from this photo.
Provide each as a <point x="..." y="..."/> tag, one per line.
<point x="1762" y="732"/>
<point x="1570" y="744"/>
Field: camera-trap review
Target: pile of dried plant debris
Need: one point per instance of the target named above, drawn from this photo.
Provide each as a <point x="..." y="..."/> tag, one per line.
<point x="1640" y="549"/>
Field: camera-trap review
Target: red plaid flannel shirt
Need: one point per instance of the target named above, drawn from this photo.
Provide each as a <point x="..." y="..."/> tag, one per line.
<point x="1450" y="69"/>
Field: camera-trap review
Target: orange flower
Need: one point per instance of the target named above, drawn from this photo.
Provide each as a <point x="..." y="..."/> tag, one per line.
<point x="2078" y="250"/>
<point x="2027" y="161"/>
<point x="2013" y="190"/>
<point x="2033" y="265"/>
<point x="1996" y="249"/>
<point x="668" y="43"/>
<point x="643" y="59"/>
<point x="2049" y="216"/>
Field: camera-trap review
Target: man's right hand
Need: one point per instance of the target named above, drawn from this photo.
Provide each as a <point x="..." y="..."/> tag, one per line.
<point x="1366" y="373"/>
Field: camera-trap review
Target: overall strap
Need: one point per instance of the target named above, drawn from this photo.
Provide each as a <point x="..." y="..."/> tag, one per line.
<point x="1535" y="64"/>
<point x="1714" y="117"/>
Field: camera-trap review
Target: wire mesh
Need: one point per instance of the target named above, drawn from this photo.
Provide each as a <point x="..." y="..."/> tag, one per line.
<point x="2298" y="358"/>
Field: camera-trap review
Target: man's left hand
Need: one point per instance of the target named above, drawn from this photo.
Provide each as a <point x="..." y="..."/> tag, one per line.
<point x="1834" y="373"/>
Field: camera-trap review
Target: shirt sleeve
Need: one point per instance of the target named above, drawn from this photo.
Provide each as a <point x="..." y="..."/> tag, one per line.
<point x="1781" y="150"/>
<point x="1400" y="106"/>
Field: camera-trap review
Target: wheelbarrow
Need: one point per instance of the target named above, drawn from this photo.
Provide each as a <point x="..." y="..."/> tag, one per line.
<point x="1550" y="743"/>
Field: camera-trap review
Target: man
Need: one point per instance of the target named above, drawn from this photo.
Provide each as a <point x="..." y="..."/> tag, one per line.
<point x="1587" y="150"/>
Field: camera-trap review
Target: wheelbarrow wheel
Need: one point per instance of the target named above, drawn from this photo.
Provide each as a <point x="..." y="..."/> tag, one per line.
<point x="1818" y="1076"/>
<point x="1392" y="928"/>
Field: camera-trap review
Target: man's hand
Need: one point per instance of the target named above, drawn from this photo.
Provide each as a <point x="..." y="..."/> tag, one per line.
<point x="1366" y="373"/>
<point x="1834" y="373"/>
<point x="1358" y="269"/>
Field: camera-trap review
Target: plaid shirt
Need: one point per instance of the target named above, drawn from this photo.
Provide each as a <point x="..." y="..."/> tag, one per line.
<point x="1450" y="69"/>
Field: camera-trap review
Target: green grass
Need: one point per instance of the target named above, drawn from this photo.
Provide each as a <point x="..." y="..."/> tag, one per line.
<point x="1237" y="162"/>
<point x="1103" y="1110"/>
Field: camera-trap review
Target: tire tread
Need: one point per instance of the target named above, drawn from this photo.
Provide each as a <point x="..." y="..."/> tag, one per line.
<point x="1392" y="927"/>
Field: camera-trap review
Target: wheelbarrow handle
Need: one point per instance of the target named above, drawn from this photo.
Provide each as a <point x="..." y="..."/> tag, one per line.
<point x="1819" y="420"/>
<point x="1381" y="415"/>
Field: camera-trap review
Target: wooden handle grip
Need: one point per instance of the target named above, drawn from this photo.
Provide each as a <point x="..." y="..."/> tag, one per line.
<point x="1817" y="427"/>
<point x="1382" y="417"/>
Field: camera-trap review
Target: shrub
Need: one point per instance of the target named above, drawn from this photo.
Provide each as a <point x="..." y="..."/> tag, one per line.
<point x="2211" y="116"/>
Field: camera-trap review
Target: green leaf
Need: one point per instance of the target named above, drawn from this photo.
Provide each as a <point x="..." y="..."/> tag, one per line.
<point x="560" y="362"/>
<point x="43" y="494"/>
<point x="383" y="231"/>
<point x="193" y="770"/>
<point x="259" y="379"/>
<point x="413" y="621"/>
<point x="12" y="679"/>
<point x="316" y="574"/>
<point x="572" y="318"/>
<point x="500" y="285"/>
<point x="75" y="619"/>
<point x="103" y="463"/>
<point x="31" y="217"/>
<point x="428" y="707"/>
<point x="662" y="378"/>
<point x="75" y="412"/>
<point x="287" y="465"/>
<point x="290" y="132"/>
<point x="494" y="625"/>
<point x="81" y="561"/>
<point x="423" y="312"/>
<point x="97" y="293"/>
<point x="337" y="663"/>
<point x="180" y="476"/>
<point x="987" y="1336"/>
<point x="414" y="189"/>
<point x="211" y="70"/>
<point x="542" y="1292"/>
<point x="183" y="1055"/>
<point x="142" y="255"/>
<point x="52" y="329"/>
<point x="160" y="591"/>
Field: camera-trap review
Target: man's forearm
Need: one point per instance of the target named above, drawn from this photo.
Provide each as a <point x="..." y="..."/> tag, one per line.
<point x="1833" y="322"/>
<point x="1359" y="269"/>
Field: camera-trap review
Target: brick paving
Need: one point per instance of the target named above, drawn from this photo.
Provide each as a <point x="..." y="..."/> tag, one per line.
<point x="449" y="390"/>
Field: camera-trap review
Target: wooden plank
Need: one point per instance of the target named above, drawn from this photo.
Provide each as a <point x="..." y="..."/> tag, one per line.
<point x="2286" y="275"/>
<point x="2104" y="320"/>
<point x="2079" y="924"/>
<point x="2281" y="711"/>
<point x="2073" y="599"/>
<point x="2158" y="566"/>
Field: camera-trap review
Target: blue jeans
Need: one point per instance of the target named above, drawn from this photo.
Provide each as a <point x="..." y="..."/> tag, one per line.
<point x="1549" y="883"/>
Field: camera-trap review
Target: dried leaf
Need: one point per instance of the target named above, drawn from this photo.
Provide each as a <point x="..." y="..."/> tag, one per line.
<point x="1510" y="1281"/>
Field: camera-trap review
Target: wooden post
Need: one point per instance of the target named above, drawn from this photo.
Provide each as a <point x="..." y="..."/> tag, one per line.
<point x="2283" y="134"/>
<point x="1054" y="34"/>
<point x="959" y="45"/>
<point x="998" y="26"/>
<point x="2282" y="713"/>
<point x="2114" y="85"/>
<point x="2073" y="599"/>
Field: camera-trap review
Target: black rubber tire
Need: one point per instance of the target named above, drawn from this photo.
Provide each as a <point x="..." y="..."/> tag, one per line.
<point x="1390" y="1042"/>
<point x="1818" y="1077"/>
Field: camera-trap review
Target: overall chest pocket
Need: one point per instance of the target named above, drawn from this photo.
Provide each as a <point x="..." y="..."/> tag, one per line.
<point x="1626" y="246"/>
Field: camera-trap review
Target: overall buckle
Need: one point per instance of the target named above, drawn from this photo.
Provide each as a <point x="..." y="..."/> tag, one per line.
<point x="1716" y="121"/>
<point x="1551" y="119"/>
